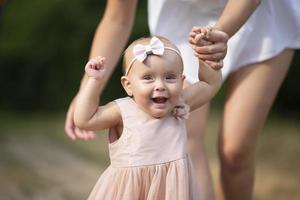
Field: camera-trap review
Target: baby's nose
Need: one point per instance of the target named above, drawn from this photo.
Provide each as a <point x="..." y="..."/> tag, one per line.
<point x="160" y="86"/>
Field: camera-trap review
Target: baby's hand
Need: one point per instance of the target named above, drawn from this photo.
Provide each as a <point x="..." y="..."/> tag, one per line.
<point x="95" y="68"/>
<point x="203" y="31"/>
<point x="209" y="44"/>
<point x="199" y="36"/>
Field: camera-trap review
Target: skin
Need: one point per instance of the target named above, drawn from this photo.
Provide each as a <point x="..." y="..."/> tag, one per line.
<point x="156" y="78"/>
<point x="260" y="83"/>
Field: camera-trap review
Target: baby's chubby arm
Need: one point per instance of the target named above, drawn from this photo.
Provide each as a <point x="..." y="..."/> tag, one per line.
<point x="210" y="80"/>
<point x="87" y="113"/>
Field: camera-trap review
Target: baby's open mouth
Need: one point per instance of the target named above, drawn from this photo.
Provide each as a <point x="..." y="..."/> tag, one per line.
<point x="159" y="99"/>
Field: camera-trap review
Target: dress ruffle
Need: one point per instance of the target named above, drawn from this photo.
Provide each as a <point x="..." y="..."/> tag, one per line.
<point x="167" y="181"/>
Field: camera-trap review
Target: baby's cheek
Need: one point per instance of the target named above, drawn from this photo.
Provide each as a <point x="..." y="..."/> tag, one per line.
<point x="175" y="98"/>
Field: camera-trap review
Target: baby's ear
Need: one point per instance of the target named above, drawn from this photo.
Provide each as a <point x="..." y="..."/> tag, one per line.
<point x="126" y="85"/>
<point x="183" y="77"/>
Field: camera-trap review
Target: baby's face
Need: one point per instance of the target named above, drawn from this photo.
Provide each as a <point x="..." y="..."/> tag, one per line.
<point x="157" y="83"/>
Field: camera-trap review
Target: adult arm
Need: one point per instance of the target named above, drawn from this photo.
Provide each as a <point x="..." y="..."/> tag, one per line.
<point x="233" y="17"/>
<point x="235" y="14"/>
<point x="109" y="41"/>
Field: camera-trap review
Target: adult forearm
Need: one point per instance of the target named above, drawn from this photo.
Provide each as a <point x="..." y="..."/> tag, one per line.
<point x="113" y="32"/>
<point x="235" y="14"/>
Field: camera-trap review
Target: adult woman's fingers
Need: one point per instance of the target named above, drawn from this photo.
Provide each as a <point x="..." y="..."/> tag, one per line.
<point x="69" y="124"/>
<point x="71" y="130"/>
<point x="218" y="36"/>
<point x="215" y="65"/>
<point x="212" y="49"/>
<point x="211" y="57"/>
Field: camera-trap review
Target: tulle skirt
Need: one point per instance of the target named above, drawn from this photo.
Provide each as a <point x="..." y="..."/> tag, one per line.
<point x="174" y="180"/>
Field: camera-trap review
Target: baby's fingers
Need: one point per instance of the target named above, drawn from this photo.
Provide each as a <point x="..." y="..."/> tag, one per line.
<point x="198" y="40"/>
<point x="202" y="30"/>
<point x="197" y="29"/>
<point x="96" y="63"/>
<point x="100" y="61"/>
<point x="95" y="73"/>
<point x="206" y="32"/>
<point x="192" y="34"/>
<point x="191" y="37"/>
<point x="91" y="64"/>
<point x="192" y="40"/>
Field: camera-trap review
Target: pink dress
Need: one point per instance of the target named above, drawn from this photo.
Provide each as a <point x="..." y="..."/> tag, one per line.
<point x="149" y="161"/>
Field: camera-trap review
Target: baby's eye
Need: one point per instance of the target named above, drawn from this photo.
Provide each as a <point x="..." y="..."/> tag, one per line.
<point x="147" y="77"/>
<point x="171" y="76"/>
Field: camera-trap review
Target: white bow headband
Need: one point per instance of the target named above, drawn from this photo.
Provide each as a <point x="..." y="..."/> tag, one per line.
<point x="156" y="47"/>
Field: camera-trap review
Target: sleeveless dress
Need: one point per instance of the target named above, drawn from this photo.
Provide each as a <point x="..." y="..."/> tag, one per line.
<point x="273" y="27"/>
<point x="149" y="160"/>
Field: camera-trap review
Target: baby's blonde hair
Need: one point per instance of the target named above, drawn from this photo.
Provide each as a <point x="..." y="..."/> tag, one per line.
<point x="143" y="40"/>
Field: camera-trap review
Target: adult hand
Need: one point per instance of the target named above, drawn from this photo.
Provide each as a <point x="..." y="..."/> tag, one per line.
<point x="74" y="132"/>
<point x="210" y="45"/>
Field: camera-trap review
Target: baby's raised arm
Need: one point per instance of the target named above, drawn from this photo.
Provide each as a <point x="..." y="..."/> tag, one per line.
<point x="209" y="83"/>
<point x="87" y="114"/>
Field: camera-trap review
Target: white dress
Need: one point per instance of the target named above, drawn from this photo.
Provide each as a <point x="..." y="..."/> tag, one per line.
<point x="273" y="27"/>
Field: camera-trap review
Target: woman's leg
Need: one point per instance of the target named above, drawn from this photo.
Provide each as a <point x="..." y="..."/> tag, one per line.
<point x="196" y="126"/>
<point x="251" y="92"/>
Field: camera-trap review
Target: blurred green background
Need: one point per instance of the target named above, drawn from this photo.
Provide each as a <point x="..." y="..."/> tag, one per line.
<point x="44" y="46"/>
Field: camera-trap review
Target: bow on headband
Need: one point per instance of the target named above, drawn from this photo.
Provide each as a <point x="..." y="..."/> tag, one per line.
<point x="156" y="47"/>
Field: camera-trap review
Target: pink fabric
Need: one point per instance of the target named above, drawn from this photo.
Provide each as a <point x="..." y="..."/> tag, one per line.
<point x="155" y="47"/>
<point x="146" y="140"/>
<point x="149" y="161"/>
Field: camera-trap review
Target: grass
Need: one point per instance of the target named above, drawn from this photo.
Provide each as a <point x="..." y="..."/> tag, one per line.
<point x="37" y="160"/>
